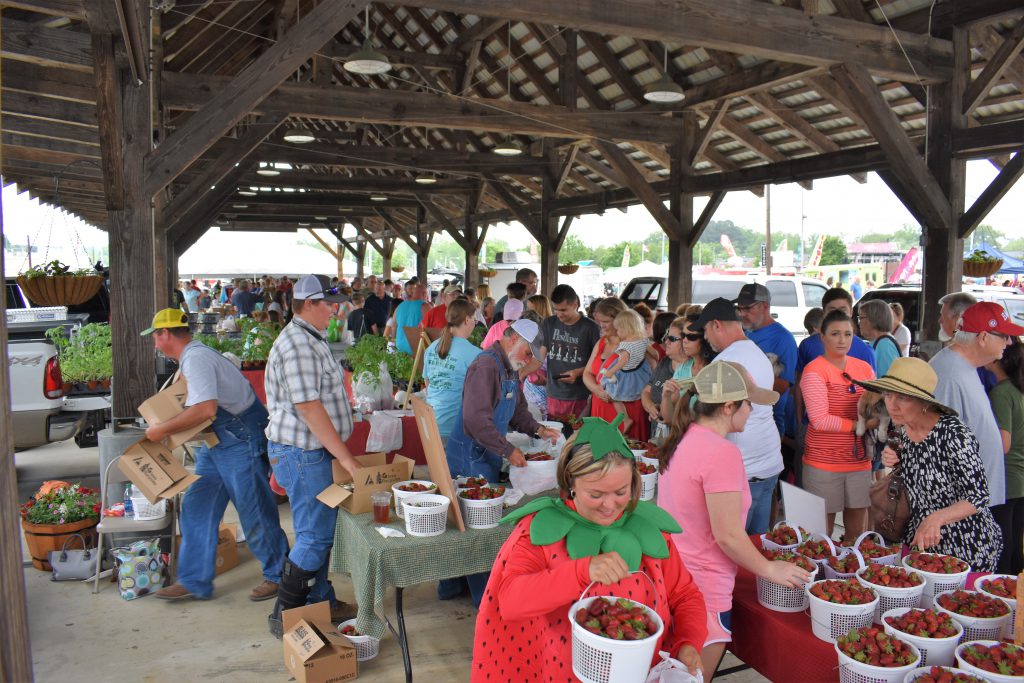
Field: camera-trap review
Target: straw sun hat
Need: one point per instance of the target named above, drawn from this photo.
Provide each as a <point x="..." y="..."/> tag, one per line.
<point x="909" y="377"/>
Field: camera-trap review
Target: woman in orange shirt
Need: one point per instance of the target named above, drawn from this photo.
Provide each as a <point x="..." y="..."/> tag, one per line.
<point x="836" y="466"/>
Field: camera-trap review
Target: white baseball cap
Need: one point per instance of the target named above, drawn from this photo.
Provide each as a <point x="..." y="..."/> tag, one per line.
<point x="528" y="330"/>
<point x="313" y="287"/>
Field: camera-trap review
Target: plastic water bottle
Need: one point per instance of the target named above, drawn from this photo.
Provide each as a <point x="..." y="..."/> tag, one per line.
<point x="129" y="509"/>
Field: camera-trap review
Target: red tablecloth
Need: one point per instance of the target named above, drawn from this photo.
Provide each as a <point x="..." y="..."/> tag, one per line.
<point x="255" y="378"/>
<point x="781" y="646"/>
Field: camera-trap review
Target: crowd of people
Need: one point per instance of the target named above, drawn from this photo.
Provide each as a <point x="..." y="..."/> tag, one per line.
<point x="730" y="399"/>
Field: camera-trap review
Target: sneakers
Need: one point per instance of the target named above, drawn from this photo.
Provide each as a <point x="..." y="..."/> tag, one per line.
<point x="177" y="592"/>
<point x="264" y="591"/>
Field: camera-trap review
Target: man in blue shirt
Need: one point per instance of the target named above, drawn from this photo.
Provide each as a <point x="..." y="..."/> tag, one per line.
<point x="835" y="299"/>
<point x="409" y="314"/>
<point x="244" y="300"/>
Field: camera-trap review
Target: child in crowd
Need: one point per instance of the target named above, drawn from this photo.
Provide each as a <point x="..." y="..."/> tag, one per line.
<point x="357" y="316"/>
<point x="618" y="375"/>
<point x="812" y="321"/>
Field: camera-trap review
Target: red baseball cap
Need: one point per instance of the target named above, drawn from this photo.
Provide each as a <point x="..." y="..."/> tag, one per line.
<point x="988" y="316"/>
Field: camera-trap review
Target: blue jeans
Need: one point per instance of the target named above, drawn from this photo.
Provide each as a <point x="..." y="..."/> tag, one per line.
<point x="304" y="474"/>
<point x="760" y="512"/>
<point x="236" y="470"/>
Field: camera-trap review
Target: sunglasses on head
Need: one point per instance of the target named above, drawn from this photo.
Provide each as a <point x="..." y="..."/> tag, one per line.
<point x="853" y="387"/>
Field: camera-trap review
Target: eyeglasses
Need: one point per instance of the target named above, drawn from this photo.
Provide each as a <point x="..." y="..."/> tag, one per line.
<point x="999" y="334"/>
<point x="693" y="336"/>
<point x="853" y="387"/>
<point x="668" y="338"/>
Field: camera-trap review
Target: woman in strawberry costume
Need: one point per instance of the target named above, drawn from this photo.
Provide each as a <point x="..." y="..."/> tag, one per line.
<point x="597" y="531"/>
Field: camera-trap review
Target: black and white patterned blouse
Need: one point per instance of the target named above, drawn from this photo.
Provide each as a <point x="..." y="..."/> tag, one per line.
<point x="944" y="469"/>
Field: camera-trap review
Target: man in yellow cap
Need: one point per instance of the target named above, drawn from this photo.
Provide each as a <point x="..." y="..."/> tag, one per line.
<point x="236" y="469"/>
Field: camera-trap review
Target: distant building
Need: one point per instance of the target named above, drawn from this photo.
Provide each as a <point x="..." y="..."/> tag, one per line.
<point x="874" y="252"/>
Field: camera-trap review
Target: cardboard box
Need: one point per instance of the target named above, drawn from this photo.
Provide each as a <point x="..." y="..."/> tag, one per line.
<point x="375" y="474"/>
<point x="156" y="472"/>
<point x="168" y="403"/>
<point x="314" y="652"/>
<point x="227" y="550"/>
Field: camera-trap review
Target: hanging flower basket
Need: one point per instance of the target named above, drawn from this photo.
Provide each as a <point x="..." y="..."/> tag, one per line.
<point x="982" y="268"/>
<point x="60" y="290"/>
<point x="568" y="268"/>
<point x="488" y="272"/>
<point x="397" y="269"/>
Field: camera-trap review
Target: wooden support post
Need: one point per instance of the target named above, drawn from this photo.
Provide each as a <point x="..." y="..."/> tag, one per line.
<point x="386" y="252"/>
<point x="162" y="284"/>
<point x="472" y="247"/>
<point x="339" y="252"/>
<point x="547" y="227"/>
<point x="360" y="257"/>
<point x="680" y="251"/>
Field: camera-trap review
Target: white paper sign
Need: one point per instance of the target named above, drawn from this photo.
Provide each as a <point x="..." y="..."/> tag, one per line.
<point x="804" y="509"/>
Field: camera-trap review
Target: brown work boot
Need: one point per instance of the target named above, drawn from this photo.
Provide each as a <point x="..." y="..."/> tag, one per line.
<point x="343" y="611"/>
<point x="175" y="592"/>
<point x="264" y="591"/>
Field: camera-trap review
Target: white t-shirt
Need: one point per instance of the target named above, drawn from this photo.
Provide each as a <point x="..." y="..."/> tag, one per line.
<point x="212" y="376"/>
<point x="902" y="335"/>
<point x="759" y="441"/>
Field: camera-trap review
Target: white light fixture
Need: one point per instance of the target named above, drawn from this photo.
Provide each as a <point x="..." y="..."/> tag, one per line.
<point x="508" y="147"/>
<point x="378" y="198"/>
<point x="426" y="179"/>
<point x="320" y="218"/>
<point x="304" y="225"/>
<point x="664" y="90"/>
<point x="367" y="61"/>
<point x="267" y="169"/>
<point x="239" y="206"/>
<point x="299" y="135"/>
<point x="247" y="193"/>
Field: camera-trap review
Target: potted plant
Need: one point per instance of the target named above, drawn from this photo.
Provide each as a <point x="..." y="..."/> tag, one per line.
<point x="87" y="357"/>
<point x="56" y="512"/>
<point x="258" y="338"/>
<point x="568" y="268"/>
<point x="397" y="269"/>
<point x="980" y="264"/>
<point x="55" y="284"/>
<point x="488" y="272"/>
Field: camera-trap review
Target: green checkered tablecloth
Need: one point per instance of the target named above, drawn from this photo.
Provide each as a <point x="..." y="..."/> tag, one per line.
<point x="375" y="562"/>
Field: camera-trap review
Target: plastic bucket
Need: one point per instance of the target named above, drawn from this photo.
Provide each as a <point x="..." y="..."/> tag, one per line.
<point x="975" y="671"/>
<point x="852" y="671"/>
<point x="771" y="545"/>
<point x="829" y="620"/>
<point x="981" y="585"/>
<point x="934" y="651"/>
<point x="402" y="495"/>
<point x="938" y="583"/>
<point x="426" y="514"/>
<point x="367" y="647"/>
<point x="890" y="598"/>
<point x="482" y="514"/>
<point x="976" y="628"/>
<point x="923" y="671"/>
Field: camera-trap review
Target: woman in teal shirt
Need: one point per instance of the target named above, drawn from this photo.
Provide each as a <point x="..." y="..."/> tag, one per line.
<point x="1008" y="407"/>
<point x="446" y="362"/>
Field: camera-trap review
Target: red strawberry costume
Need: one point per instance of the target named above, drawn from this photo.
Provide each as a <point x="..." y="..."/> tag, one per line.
<point x="523" y="630"/>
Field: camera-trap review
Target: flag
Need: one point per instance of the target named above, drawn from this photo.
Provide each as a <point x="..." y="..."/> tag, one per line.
<point x="910" y="263"/>
<point x="625" y="257"/>
<point x="816" y="254"/>
<point x="727" y="245"/>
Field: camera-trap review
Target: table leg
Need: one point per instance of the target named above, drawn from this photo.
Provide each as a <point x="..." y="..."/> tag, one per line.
<point x="403" y="638"/>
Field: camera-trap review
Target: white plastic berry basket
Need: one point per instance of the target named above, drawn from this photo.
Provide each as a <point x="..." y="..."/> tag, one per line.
<point x="976" y="628"/>
<point x="426" y="514"/>
<point x="402" y="495"/>
<point x="892" y="558"/>
<point x="367" y="647"/>
<point x="641" y="456"/>
<point x="934" y="651"/>
<point x="143" y="510"/>
<point x="596" y="659"/>
<point x="852" y="671"/>
<point x="779" y="598"/>
<point x="981" y="585"/>
<point x="648" y="485"/>
<point x="938" y="583"/>
<point x="820" y="563"/>
<point x="889" y="597"/>
<point x="923" y="671"/>
<point x="771" y="545"/>
<point x="482" y="514"/>
<point x="829" y="620"/>
<point x="975" y="671"/>
<point x="831" y="573"/>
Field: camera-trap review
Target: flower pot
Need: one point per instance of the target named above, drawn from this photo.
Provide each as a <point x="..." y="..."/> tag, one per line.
<point x="42" y="538"/>
<point x="568" y="268"/>
<point x="60" y="290"/>
<point x="67" y="387"/>
<point x="982" y="268"/>
<point x="398" y="269"/>
<point x="105" y="383"/>
<point x="92" y="384"/>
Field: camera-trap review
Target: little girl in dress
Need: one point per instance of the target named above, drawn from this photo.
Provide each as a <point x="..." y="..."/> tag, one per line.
<point x="625" y="374"/>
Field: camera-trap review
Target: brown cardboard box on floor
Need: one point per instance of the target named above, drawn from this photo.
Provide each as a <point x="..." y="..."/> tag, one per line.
<point x="375" y="474"/>
<point x="227" y="550"/>
<point x="168" y="403"/>
<point x="314" y="651"/>
<point x="152" y="468"/>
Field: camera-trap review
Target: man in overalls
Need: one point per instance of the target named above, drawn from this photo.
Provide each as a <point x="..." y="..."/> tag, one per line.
<point x="236" y="469"/>
<point x="492" y="403"/>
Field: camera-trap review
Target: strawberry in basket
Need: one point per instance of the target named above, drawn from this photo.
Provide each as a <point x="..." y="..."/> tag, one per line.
<point x="473" y="482"/>
<point x="847" y="564"/>
<point x="349" y="630"/>
<point x="1004" y="587"/>
<point x="1004" y="658"/>
<point x="636" y="445"/>
<point x="644" y="468"/>
<point x="416" y="487"/>
<point x="482" y="492"/>
<point x="873" y="646"/>
<point x="617" y="619"/>
<point x="815" y="549"/>
<point x="871" y="550"/>
<point x="791" y="557"/>
<point x="936" y="564"/>
<point x="784" y="535"/>
<point x="539" y="457"/>
<point x="891" y="577"/>
<point x="938" y="674"/>
<point x="843" y="592"/>
<point x="972" y="604"/>
<point x="926" y="623"/>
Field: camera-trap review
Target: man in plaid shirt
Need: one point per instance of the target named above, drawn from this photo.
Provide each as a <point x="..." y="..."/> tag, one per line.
<point x="310" y="419"/>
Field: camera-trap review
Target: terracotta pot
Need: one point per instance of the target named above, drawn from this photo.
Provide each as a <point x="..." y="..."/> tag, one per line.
<point x="92" y="384"/>
<point x="67" y="387"/>
<point x="105" y="383"/>
<point x="42" y="538"/>
<point x="61" y="290"/>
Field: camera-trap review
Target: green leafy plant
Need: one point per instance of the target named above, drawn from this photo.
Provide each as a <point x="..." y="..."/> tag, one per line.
<point x="222" y="344"/>
<point x="476" y="337"/>
<point x="370" y="351"/>
<point x="87" y="355"/>
<point x="257" y="339"/>
<point x="55" y="268"/>
<point x="62" y="506"/>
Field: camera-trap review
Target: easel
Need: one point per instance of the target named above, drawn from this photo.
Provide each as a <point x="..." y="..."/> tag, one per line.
<point x="420" y="338"/>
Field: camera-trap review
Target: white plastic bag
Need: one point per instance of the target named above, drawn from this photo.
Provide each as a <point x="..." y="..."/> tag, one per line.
<point x="670" y="670"/>
<point x="385" y="433"/>
<point x="531" y="479"/>
<point x="366" y="392"/>
<point x="386" y="388"/>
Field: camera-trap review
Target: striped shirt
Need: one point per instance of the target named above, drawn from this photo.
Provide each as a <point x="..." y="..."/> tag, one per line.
<point x="301" y="369"/>
<point x="831" y="401"/>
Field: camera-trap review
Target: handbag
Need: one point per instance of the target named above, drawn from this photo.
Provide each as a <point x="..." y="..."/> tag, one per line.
<point x="890" y="506"/>
<point x="140" y="568"/>
<point x="73" y="565"/>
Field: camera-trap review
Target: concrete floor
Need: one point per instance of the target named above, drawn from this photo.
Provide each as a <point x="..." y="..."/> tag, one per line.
<point x="78" y="636"/>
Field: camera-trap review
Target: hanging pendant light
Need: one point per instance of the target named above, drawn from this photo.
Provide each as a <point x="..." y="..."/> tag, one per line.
<point x="426" y="179"/>
<point x="664" y="90"/>
<point x="300" y="135"/>
<point x="367" y="61"/>
<point x="509" y="147"/>
<point x="267" y="169"/>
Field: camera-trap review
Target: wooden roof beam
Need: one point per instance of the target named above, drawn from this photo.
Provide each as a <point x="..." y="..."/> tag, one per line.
<point x="397" y="58"/>
<point x="36" y="44"/>
<point x="640" y="187"/>
<point x="996" y="190"/>
<point x="994" y="69"/>
<point x="598" y="46"/>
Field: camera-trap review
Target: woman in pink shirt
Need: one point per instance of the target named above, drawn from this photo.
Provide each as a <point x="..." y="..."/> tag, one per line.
<point x="704" y="487"/>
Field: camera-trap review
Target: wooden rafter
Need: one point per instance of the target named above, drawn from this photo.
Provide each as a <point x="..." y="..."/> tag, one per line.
<point x="639" y="185"/>
<point x="994" y="69"/>
<point x="996" y="190"/>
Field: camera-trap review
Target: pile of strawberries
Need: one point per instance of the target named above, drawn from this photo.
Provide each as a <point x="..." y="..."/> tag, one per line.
<point x="816" y="550"/>
<point x="791" y="557"/>
<point x="1003" y="586"/>
<point x="940" y="674"/>
<point x="482" y="492"/>
<point x="936" y="564"/>
<point x="847" y="564"/>
<point x="1004" y="658"/>
<point x="844" y="592"/>
<point x="644" y="468"/>
<point x="871" y="550"/>
<point x="539" y="457"/>
<point x="890" y="576"/>
<point x="349" y="630"/>
<point x="473" y="481"/>
<point x="619" y="619"/>
<point x="784" y="535"/>
<point x="973" y="604"/>
<point x="873" y="646"/>
<point x="925" y="623"/>
<point x="416" y="487"/>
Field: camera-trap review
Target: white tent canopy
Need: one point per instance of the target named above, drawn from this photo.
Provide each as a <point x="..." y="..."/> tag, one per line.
<point x="229" y="254"/>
